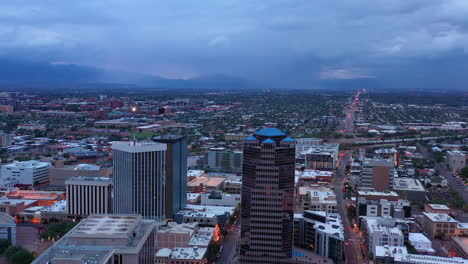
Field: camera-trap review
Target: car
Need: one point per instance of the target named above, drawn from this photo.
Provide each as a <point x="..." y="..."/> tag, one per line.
<point x="346" y="244"/>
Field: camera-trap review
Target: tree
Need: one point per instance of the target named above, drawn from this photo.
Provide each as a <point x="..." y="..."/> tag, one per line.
<point x="22" y="256"/>
<point x="115" y="137"/>
<point x="352" y="212"/>
<point x="4" y="244"/>
<point x="464" y="172"/>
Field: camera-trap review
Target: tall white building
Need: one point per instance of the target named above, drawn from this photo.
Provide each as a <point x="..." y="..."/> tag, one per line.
<point x="26" y="172"/>
<point x="88" y="195"/>
<point x="139" y="176"/>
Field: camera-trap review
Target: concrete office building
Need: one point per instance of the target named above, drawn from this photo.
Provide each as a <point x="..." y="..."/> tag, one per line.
<point x="439" y="224"/>
<point x="61" y="172"/>
<point x="88" y="195"/>
<point x="321" y="157"/>
<point x="377" y="174"/>
<point x="222" y="159"/>
<point x="176" y="173"/>
<point x="303" y="144"/>
<point x="320" y="232"/>
<point x="267" y="197"/>
<point x="139" y="179"/>
<point x="105" y="239"/>
<point x="381" y="232"/>
<point x="26" y="173"/>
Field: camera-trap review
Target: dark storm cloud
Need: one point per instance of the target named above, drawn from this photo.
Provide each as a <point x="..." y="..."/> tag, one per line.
<point x="269" y="41"/>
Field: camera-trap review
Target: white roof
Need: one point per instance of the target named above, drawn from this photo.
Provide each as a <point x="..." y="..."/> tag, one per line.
<point x="188" y="253"/>
<point x="440" y="217"/>
<point x="28" y="164"/>
<point x="418" y="237"/>
<point x="164" y="252"/>
<point x="439" y="206"/>
<point x="59" y="206"/>
<point x="195" y="173"/>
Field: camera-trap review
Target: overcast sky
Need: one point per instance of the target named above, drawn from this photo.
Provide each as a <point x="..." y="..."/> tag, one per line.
<point x="257" y="40"/>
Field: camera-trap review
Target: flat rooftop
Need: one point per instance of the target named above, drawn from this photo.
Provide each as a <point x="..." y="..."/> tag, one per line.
<point x="118" y="226"/>
<point x="188" y="253"/>
<point x="82" y="180"/>
<point x="439" y="206"/>
<point x="138" y="146"/>
<point x="440" y="217"/>
<point x="206" y="181"/>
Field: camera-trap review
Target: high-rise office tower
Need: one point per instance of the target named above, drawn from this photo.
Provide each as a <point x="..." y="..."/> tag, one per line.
<point x="267" y="198"/>
<point x="139" y="179"/>
<point x="176" y="173"/>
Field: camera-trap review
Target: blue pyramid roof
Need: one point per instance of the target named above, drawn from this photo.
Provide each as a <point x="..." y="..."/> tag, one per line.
<point x="288" y="139"/>
<point x="269" y="140"/>
<point x="270" y="132"/>
<point x="250" y="138"/>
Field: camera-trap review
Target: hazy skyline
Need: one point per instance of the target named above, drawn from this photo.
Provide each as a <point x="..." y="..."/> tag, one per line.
<point x="266" y="41"/>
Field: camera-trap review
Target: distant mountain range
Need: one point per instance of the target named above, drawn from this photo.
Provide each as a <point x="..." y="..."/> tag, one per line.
<point x="24" y="72"/>
<point x="443" y="74"/>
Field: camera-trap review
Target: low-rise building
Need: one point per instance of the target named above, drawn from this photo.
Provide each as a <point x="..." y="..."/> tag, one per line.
<point x="104" y="239"/>
<point x="8" y="228"/>
<point x="381" y="232"/>
<point x="203" y="184"/>
<point x="438" y="209"/>
<point x="192" y="255"/>
<point x="439" y="224"/>
<point x="421" y="243"/>
<point x="218" y="198"/>
<point x="383" y="207"/>
<point x="410" y="189"/>
<point x="399" y="255"/>
<point x="376" y="196"/>
<point x="315" y="199"/>
<point x="205" y="215"/>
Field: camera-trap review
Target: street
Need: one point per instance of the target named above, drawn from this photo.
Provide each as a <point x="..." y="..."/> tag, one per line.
<point x="352" y="240"/>
<point x="229" y="245"/>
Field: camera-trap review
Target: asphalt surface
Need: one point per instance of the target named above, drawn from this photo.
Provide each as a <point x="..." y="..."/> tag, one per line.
<point x="228" y="243"/>
<point x="353" y="241"/>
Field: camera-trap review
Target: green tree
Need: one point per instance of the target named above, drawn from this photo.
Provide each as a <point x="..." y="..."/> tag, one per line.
<point x="464" y="172"/>
<point x="4" y="244"/>
<point x="22" y="256"/>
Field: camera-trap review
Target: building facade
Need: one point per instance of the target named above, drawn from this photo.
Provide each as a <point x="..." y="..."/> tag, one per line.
<point x="222" y="159"/>
<point x="267" y="197"/>
<point x="26" y="172"/>
<point x="139" y="175"/>
<point x="105" y="239"/>
<point x="88" y="195"/>
<point x="377" y="174"/>
<point x="176" y="173"/>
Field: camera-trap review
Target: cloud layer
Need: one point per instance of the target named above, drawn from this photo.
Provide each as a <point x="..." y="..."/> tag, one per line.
<point x="287" y="41"/>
